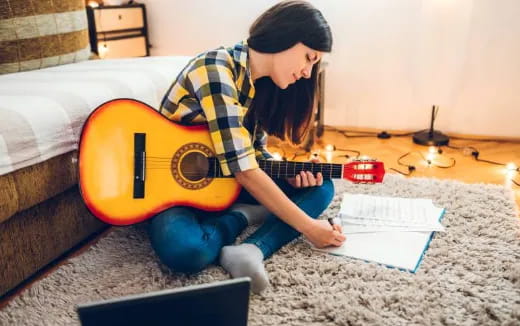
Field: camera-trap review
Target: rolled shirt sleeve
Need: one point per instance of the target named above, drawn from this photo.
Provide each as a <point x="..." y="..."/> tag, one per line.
<point x="215" y="89"/>
<point x="260" y="145"/>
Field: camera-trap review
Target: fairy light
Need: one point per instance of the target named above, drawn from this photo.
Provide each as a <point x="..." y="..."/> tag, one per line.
<point x="314" y="155"/>
<point x="432" y="153"/>
<point x="277" y="156"/>
<point x="511" y="170"/>
<point x="330" y="148"/>
<point x="329" y="152"/>
<point x="93" y="4"/>
<point x="511" y="166"/>
<point x="103" y="50"/>
<point x="429" y="158"/>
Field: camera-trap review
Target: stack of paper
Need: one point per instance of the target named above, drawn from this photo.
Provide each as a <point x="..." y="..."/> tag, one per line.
<point x="388" y="230"/>
<point x="364" y="213"/>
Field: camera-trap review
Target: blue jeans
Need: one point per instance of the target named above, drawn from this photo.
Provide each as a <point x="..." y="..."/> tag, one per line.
<point x="187" y="239"/>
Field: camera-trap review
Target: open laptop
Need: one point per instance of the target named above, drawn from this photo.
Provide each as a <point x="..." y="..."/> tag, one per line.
<point x="217" y="303"/>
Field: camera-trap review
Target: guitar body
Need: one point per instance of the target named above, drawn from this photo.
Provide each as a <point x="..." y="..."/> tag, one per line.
<point x="122" y="137"/>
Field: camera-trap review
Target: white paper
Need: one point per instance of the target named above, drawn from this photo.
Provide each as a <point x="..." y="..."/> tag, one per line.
<point x="388" y="230"/>
<point x="396" y="249"/>
<point x="366" y="210"/>
<point x="354" y="228"/>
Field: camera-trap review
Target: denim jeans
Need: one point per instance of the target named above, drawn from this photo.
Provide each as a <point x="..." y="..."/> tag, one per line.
<point x="187" y="239"/>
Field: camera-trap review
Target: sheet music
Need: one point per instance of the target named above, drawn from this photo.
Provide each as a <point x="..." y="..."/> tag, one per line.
<point x="389" y="230"/>
<point x="389" y="213"/>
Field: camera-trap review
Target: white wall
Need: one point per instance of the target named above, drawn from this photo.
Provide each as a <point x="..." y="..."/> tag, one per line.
<point x="391" y="59"/>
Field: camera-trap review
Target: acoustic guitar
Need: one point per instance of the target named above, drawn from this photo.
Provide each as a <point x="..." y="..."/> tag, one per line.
<point x="135" y="163"/>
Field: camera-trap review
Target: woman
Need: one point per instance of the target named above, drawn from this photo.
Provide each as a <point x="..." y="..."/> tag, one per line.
<point x="265" y="84"/>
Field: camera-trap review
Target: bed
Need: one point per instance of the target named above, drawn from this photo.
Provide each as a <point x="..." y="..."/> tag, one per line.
<point x="41" y="116"/>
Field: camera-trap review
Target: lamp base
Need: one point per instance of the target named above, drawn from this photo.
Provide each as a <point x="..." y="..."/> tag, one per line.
<point x="435" y="139"/>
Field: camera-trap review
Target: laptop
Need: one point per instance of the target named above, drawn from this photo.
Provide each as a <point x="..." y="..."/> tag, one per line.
<point x="217" y="303"/>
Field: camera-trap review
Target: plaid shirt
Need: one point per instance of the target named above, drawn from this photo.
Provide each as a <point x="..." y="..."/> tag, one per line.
<point x="216" y="88"/>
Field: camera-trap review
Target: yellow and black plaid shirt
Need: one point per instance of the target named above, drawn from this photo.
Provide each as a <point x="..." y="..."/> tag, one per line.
<point x="216" y="88"/>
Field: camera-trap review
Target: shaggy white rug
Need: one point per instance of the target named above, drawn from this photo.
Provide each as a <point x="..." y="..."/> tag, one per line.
<point x="470" y="275"/>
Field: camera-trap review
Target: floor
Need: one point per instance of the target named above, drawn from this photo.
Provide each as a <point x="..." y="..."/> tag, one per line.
<point x="389" y="151"/>
<point x="466" y="168"/>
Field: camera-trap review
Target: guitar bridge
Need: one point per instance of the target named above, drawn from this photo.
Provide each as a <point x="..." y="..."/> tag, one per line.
<point x="139" y="164"/>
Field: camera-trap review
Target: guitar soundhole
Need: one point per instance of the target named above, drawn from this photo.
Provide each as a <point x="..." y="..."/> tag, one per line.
<point x="190" y="166"/>
<point x="194" y="166"/>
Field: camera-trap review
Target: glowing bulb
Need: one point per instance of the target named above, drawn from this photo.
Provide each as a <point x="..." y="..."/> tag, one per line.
<point x="314" y="156"/>
<point x="330" y="148"/>
<point x="103" y="50"/>
<point x="430" y="157"/>
<point x="432" y="150"/>
<point x="511" y="166"/>
<point x="93" y="4"/>
<point x="467" y="151"/>
<point x="277" y="156"/>
<point x="328" y="156"/>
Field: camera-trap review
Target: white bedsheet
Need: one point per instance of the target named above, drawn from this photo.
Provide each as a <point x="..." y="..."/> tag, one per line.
<point x="42" y="111"/>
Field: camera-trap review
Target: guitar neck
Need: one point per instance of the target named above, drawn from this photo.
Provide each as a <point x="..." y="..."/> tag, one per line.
<point x="286" y="169"/>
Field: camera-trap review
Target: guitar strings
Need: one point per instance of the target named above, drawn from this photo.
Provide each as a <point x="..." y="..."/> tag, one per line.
<point x="274" y="163"/>
<point x="281" y="163"/>
<point x="271" y="171"/>
<point x="275" y="168"/>
<point x="280" y="170"/>
<point x="271" y="168"/>
<point x="335" y="170"/>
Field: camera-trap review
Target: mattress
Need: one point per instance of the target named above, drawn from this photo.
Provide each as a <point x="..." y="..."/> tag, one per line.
<point x="42" y="111"/>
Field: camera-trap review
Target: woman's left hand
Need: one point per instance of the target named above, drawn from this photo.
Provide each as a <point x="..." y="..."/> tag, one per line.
<point x="306" y="178"/>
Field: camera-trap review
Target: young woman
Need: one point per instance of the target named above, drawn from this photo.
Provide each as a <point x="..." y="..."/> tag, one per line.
<point x="265" y="84"/>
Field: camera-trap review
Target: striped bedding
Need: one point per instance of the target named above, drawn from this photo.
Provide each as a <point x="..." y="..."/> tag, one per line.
<point x="42" y="111"/>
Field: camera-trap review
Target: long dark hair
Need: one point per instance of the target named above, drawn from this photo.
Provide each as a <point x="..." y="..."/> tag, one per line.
<point x="286" y="113"/>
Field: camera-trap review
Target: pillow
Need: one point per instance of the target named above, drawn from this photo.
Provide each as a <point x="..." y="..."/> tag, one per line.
<point x="36" y="34"/>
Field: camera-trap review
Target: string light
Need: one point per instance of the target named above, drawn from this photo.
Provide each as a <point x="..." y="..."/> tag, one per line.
<point x="103" y="50"/>
<point x="512" y="167"/>
<point x="93" y="4"/>
<point x="330" y="148"/>
<point x="329" y="152"/>
<point x="510" y="172"/>
<point x="277" y="156"/>
<point x="314" y="155"/>
<point x="429" y="158"/>
<point x="432" y="154"/>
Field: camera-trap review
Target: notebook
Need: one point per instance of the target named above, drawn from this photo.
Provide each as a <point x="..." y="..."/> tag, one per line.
<point x="392" y="231"/>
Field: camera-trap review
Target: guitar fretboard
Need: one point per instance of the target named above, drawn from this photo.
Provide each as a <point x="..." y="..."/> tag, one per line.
<point x="285" y="169"/>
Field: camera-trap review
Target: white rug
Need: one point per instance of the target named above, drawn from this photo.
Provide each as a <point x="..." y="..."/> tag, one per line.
<point x="470" y="275"/>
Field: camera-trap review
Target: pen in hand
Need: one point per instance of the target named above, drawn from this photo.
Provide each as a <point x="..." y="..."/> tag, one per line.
<point x="336" y="227"/>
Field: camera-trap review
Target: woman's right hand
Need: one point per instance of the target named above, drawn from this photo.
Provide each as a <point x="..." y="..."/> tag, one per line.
<point x="321" y="234"/>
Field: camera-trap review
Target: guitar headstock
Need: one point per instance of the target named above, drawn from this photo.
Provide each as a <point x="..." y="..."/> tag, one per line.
<point x="364" y="171"/>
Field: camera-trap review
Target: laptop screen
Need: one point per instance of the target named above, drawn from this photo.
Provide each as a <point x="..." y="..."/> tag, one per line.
<point x="218" y="303"/>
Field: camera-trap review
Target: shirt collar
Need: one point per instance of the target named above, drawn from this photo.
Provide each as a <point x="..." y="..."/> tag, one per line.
<point x="241" y="55"/>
